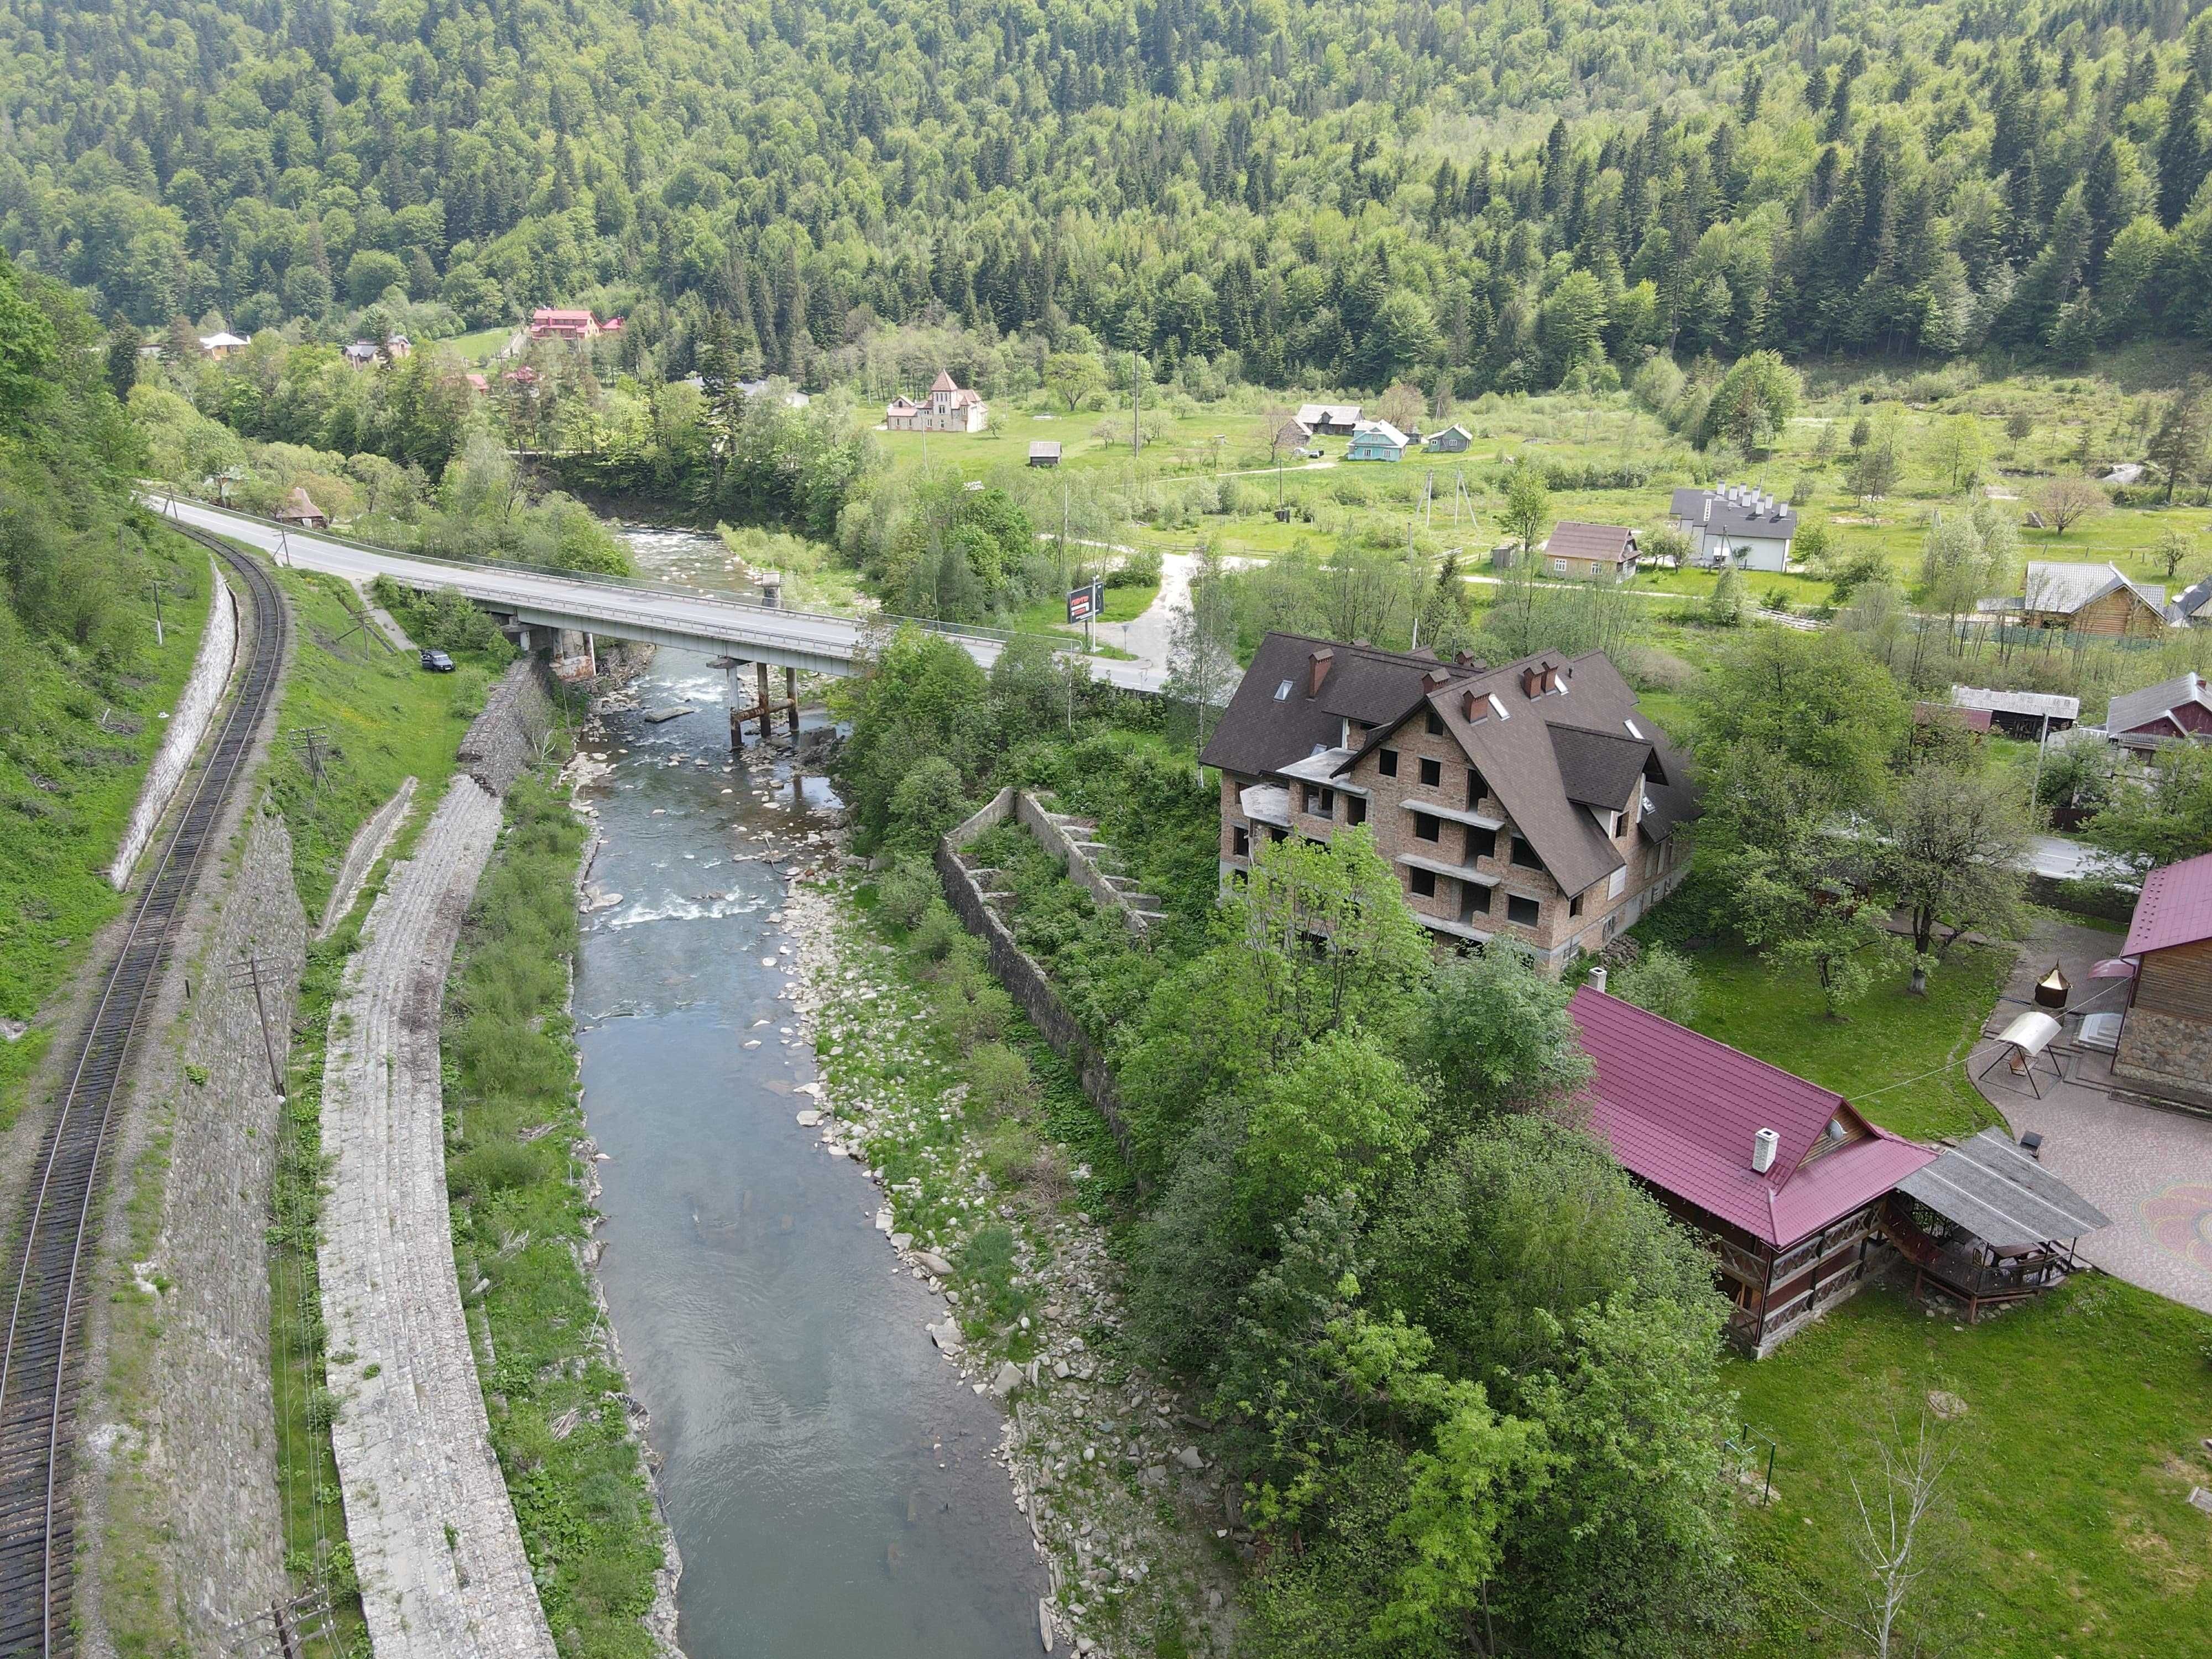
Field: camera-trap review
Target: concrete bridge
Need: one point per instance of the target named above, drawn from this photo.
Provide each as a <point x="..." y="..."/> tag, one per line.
<point x="653" y="613"/>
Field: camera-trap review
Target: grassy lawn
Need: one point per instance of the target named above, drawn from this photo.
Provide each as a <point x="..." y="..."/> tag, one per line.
<point x="75" y="739"/>
<point x="480" y="346"/>
<point x="1122" y="604"/>
<point x="1898" y="1057"/>
<point x="377" y="717"/>
<point x="2064" y="1532"/>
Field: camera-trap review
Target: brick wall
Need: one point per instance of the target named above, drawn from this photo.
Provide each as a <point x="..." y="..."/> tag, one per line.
<point x="1561" y="928"/>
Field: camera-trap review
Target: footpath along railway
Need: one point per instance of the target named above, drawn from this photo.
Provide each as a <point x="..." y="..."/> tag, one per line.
<point x="52" y="1258"/>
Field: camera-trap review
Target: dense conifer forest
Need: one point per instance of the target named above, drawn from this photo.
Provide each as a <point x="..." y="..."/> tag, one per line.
<point x="1495" y="195"/>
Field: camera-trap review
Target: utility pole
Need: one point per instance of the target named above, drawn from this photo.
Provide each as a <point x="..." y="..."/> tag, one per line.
<point x="2035" y="788"/>
<point x="1136" y="427"/>
<point x="1063" y="537"/>
<point x="308" y="740"/>
<point x="247" y="971"/>
<point x="158" y="638"/>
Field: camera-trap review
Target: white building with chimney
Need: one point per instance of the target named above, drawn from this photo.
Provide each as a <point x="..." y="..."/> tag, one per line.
<point x="1737" y="524"/>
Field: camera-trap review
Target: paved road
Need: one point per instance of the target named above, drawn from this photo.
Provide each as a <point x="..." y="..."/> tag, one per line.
<point x="686" y="618"/>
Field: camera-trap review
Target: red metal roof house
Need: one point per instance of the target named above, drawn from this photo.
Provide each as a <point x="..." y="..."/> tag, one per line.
<point x="1786" y="1179"/>
<point x="555" y="323"/>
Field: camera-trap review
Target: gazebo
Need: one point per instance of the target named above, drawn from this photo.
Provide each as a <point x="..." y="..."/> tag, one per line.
<point x="1986" y="1223"/>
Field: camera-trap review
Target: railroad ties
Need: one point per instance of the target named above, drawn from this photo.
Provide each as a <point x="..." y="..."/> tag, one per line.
<point x="53" y="1258"/>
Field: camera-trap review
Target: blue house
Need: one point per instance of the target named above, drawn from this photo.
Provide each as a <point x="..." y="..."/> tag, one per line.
<point x="1376" y="440"/>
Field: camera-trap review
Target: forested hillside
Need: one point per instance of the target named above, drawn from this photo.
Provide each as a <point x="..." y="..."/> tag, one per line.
<point x="1498" y="195"/>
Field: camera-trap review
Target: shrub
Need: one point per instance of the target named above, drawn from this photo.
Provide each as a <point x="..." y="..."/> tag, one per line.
<point x="1139" y="567"/>
<point x="927" y="802"/>
<point x="937" y="932"/>
<point x="1000" y="1078"/>
<point x="1660" y="980"/>
<point x="907" y="891"/>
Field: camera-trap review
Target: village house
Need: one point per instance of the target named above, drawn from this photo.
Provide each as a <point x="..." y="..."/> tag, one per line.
<point x="1801" y="1199"/>
<point x="946" y="407"/>
<point x="1783" y="1179"/>
<point x="2174" y="711"/>
<point x="2166" y="1035"/>
<point x="1533" y="802"/>
<point x="2087" y="599"/>
<point x="1736" y="523"/>
<point x="362" y="354"/>
<point x="298" y="509"/>
<point x="2192" y="606"/>
<point x="577" y="326"/>
<point x="1376" y="440"/>
<point x="222" y="344"/>
<point x="1452" y="440"/>
<point x="1293" y="435"/>
<point x="1334" y="420"/>
<point x="1592" y="551"/>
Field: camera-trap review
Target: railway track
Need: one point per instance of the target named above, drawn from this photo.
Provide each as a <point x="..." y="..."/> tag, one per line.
<point x="50" y="1263"/>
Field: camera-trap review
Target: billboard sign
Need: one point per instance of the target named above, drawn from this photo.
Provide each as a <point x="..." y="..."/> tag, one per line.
<point x="1085" y="603"/>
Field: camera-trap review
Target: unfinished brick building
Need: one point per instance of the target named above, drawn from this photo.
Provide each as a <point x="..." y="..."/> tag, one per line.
<point x="1533" y="801"/>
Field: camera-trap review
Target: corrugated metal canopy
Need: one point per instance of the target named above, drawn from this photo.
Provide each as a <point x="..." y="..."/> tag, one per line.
<point x="2002" y="1195"/>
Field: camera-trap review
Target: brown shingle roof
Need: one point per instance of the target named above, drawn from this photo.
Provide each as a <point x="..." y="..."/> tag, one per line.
<point x="1573" y="539"/>
<point x="1548" y="758"/>
<point x="1260" y="731"/>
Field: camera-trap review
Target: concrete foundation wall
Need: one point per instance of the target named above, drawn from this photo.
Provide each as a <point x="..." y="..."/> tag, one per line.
<point x="1024" y="979"/>
<point x="188" y="724"/>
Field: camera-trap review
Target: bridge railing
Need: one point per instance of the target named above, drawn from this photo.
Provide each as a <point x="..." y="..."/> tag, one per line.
<point x="642" y="585"/>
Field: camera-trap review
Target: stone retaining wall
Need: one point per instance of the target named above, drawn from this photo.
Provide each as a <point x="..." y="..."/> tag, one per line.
<point x="188" y="724"/>
<point x="505" y="740"/>
<point x="1019" y="972"/>
<point x="443" y="1573"/>
<point x="1058" y="834"/>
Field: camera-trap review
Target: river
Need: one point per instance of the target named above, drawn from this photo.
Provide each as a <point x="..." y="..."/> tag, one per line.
<point x="827" y="1478"/>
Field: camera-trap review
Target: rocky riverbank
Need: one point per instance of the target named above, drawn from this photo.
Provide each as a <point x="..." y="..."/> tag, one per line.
<point x="1137" y="1525"/>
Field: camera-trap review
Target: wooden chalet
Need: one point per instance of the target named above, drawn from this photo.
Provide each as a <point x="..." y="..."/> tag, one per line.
<point x="1786" y="1180"/>
<point x="1800" y="1199"/>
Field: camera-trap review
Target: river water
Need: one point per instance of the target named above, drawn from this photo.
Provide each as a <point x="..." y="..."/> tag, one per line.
<point x="828" y="1477"/>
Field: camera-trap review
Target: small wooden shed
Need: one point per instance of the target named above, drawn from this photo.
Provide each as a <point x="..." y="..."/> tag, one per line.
<point x="1045" y="452"/>
<point x="298" y="510"/>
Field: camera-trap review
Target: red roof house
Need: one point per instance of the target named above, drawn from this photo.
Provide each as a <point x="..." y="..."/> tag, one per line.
<point x="2165" y="1037"/>
<point x="1785" y="1178"/>
<point x="555" y="323"/>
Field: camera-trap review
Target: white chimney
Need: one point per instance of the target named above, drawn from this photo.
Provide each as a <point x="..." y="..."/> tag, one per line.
<point x="1597" y="979"/>
<point x="1764" y="1145"/>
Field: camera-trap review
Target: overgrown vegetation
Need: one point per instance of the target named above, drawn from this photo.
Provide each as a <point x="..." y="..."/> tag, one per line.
<point x="1319" y="1114"/>
<point x="358" y="719"/>
<point x="90" y="683"/>
<point x="559" y="1421"/>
